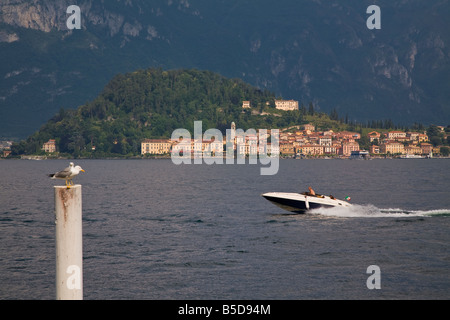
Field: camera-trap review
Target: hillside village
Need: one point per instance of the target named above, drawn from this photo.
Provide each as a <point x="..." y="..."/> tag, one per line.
<point x="302" y="141"/>
<point x="307" y="142"/>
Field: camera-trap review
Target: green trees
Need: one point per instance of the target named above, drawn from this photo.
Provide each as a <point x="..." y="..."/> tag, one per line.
<point x="436" y="136"/>
<point x="152" y="103"/>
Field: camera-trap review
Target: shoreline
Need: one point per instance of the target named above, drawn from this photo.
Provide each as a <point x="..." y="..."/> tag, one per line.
<point x="165" y="157"/>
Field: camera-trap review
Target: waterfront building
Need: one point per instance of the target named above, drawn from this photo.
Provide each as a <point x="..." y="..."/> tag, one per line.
<point x="6" y="153"/>
<point x="272" y="149"/>
<point x="331" y="149"/>
<point x="287" y="148"/>
<point x="216" y="146"/>
<point x="310" y="149"/>
<point x="49" y="146"/>
<point x="185" y="147"/>
<point x="427" y="148"/>
<point x="413" y="149"/>
<point x="374" y="149"/>
<point x="155" y="146"/>
<point x="267" y="148"/>
<point x="437" y="149"/>
<point x="198" y="146"/>
<point x="392" y="148"/>
<point x="348" y="147"/>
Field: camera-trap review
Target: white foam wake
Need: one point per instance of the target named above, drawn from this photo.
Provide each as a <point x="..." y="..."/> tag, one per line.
<point x="371" y="211"/>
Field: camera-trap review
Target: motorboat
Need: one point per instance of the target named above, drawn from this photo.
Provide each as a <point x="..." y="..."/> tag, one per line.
<point x="359" y="155"/>
<point x="411" y="156"/>
<point x="302" y="202"/>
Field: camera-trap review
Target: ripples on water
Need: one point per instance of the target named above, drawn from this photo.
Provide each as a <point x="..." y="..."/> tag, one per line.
<point x="371" y="211"/>
<point x="153" y="230"/>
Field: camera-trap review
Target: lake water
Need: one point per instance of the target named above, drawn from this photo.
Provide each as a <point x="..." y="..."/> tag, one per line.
<point x="154" y="230"/>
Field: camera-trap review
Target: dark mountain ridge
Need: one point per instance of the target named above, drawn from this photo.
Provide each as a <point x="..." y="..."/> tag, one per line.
<point x="317" y="51"/>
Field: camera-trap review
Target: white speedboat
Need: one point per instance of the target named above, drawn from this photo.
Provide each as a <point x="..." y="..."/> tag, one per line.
<point x="302" y="202"/>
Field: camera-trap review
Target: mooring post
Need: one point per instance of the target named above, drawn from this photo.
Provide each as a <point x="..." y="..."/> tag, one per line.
<point x="69" y="243"/>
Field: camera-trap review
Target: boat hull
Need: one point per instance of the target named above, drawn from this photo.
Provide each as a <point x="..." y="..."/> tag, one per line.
<point x="301" y="203"/>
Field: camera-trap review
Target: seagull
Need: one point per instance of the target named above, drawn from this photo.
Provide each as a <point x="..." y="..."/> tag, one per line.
<point x="67" y="174"/>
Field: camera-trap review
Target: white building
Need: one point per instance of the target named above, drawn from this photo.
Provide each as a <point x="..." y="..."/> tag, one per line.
<point x="325" y="141"/>
<point x="286" y="105"/>
<point x="246" y="105"/>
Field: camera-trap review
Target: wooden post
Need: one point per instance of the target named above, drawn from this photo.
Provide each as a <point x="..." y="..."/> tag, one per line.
<point x="69" y="243"/>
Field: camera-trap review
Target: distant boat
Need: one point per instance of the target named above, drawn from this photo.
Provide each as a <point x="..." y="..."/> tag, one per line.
<point x="359" y="155"/>
<point x="302" y="202"/>
<point x="411" y="156"/>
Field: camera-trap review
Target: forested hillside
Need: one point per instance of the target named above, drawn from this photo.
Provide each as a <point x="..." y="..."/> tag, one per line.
<point x="152" y="103"/>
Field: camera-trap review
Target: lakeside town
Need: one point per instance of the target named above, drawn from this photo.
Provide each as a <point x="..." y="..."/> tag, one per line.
<point x="297" y="142"/>
<point x="301" y="141"/>
<point x="305" y="142"/>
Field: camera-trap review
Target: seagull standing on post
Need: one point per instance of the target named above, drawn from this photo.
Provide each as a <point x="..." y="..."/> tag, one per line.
<point x="67" y="174"/>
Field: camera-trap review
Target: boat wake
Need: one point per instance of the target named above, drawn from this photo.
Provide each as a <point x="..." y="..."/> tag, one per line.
<point x="371" y="211"/>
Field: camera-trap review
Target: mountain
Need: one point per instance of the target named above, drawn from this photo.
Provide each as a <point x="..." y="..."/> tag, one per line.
<point x="312" y="51"/>
<point x="152" y="103"/>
